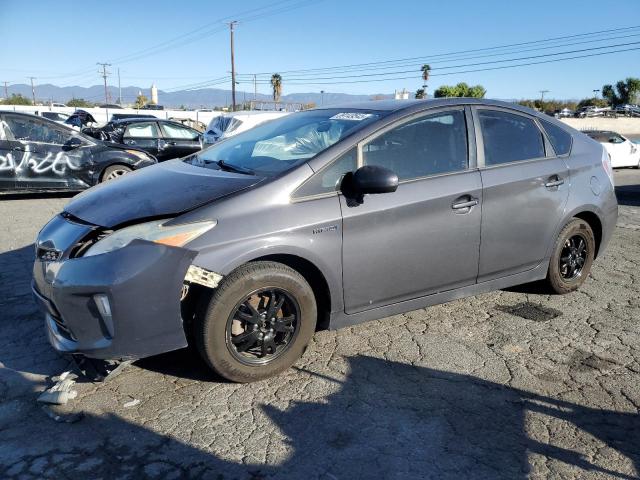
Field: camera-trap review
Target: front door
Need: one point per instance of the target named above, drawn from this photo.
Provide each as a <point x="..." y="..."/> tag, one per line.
<point x="179" y="141"/>
<point x="525" y="189"/>
<point x="40" y="159"/>
<point x="143" y="135"/>
<point x="425" y="237"/>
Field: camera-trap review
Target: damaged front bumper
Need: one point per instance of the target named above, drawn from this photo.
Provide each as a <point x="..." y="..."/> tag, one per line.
<point x="123" y="304"/>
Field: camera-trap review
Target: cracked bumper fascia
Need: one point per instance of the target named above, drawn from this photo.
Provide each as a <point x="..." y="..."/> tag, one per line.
<point x="143" y="282"/>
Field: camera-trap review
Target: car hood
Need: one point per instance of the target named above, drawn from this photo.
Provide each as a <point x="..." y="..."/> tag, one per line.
<point x="165" y="189"/>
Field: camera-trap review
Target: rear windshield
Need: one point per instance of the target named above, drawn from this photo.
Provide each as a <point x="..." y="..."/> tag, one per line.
<point x="278" y="145"/>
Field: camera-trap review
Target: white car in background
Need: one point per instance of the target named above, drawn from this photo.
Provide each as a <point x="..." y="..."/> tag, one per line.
<point x="230" y="124"/>
<point x="623" y="152"/>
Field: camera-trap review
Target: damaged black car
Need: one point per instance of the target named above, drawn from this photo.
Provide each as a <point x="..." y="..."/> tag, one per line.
<point x="164" y="139"/>
<point x="38" y="155"/>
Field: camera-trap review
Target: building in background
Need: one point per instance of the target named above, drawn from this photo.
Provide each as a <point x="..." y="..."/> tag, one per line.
<point x="402" y="94"/>
<point x="154" y="94"/>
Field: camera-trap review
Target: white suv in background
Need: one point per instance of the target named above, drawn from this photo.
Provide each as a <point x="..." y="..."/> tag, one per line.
<point x="231" y="124"/>
<point x="623" y="152"/>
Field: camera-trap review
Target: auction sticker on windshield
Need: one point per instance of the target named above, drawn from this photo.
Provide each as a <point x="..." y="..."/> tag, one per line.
<point x="353" y="116"/>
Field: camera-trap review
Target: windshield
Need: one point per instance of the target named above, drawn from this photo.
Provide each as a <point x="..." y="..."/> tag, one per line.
<point x="277" y="145"/>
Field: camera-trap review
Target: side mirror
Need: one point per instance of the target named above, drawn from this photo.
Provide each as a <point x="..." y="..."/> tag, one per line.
<point x="72" y="143"/>
<point x="374" y="179"/>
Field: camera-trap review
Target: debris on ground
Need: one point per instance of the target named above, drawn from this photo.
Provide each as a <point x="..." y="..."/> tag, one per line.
<point x="132" y="403"/>
<point x="61" y="391"/>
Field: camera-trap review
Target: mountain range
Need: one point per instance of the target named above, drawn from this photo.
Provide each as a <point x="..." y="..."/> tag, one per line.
<point x="201" y="98"/>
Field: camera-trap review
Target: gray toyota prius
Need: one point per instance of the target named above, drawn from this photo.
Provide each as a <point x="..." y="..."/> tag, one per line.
<point x="322" y="219"/>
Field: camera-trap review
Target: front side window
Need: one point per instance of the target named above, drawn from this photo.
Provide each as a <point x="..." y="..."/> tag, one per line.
<point x="278" y="145"/>
<point x="176" y="131"/>
<point x="34" y="130"/>
<point x="142" y="130"/>
<point x="509" y="137"/>
<point x="430" y="145"/>
<point x="560" y="139"/>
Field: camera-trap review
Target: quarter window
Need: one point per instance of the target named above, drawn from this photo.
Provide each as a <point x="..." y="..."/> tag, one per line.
<point x="142" y="130"/>
<point x="328" y="179"/>
<point x="509" y="137"/>
<point x="560" y="139"/>
<point x="429" y="145"/>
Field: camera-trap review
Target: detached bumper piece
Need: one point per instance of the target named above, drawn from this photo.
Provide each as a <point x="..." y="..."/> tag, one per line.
<point x="122" y="304"/>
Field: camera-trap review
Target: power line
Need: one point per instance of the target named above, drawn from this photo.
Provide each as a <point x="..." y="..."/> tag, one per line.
<point x="381" y="68"/>
<point x="440" y="55"/>
<point x="503" y="67"/>
<point x="529" y="57"/>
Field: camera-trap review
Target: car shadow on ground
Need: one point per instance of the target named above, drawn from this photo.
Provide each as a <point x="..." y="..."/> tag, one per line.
<point x="628" y="195"/>
<point x="379" y="419"/>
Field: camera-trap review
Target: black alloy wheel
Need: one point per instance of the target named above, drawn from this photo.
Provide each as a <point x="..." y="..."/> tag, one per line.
<point x="263" y="326"/>
<point x="573" y="256"/>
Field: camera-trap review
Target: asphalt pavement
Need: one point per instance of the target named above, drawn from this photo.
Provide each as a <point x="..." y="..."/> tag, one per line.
<point x="510" y="384"/>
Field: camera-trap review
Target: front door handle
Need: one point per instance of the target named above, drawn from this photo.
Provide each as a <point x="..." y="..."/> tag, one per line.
<point x="554" y="181"/>
<point x="465" y="204"/>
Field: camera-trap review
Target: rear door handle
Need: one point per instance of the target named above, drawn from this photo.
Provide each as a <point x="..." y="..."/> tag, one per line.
<point x="466" y="204"/>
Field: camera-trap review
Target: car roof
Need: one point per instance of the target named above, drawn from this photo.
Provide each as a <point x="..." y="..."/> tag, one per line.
<point x="419" y="104"/>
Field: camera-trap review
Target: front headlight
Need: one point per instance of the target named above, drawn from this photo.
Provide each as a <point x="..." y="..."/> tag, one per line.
<point x="139" y="154"/>
<point x="175" y="235"/>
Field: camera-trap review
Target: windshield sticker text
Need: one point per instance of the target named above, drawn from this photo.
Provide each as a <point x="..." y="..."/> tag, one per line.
<point x="352" y="116"/>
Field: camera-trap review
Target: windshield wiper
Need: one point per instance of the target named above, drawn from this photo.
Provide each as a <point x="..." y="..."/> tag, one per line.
<point x="234" y="168"/>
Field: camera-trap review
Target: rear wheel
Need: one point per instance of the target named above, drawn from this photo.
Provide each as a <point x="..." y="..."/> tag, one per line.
<point x="257" y="323"/>
<point x="572" y="257"/>
<point x="115" y="171"/>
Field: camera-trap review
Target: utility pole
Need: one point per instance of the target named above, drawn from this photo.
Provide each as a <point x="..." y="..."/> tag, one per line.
<point x="33" y="90"/>
<point x="6" y="90"/>
<point x="119" y="89"/>
<point x="542" y="92"/>
<point x="233" y="68"/>
<point x="255" y="87"/>
<point x="321" y="97"/>
<point x="104" y="74"/>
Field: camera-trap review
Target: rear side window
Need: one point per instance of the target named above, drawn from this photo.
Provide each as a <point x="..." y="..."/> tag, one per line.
<point x="177" y="131"/>
<point x="509" y="137"/>
<point x="560" y="140"/>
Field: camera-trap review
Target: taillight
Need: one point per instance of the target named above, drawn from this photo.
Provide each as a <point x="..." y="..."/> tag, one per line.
<point x="606" y="164"/>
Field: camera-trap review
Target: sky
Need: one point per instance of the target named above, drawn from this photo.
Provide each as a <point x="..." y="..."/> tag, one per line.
<point x="183" y="44"/>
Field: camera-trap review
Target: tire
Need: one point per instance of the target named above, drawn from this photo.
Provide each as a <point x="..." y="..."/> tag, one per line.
<point x="219" y="329"/>
<point x="112" y="172"/>
<point x="568" y="269"/>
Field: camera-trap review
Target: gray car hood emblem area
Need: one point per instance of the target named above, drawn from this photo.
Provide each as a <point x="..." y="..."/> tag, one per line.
<point x="166" y="189"/>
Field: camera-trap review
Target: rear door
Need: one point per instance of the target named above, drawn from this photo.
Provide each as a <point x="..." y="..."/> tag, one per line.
<point x="524" y="189"/>
<point x="143" y="135"/>
<point x="179" y="141"/>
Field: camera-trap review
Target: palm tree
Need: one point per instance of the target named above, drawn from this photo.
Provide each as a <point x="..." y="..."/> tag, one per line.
<point x="425" y="69"/>
<point x="276" y="83"/>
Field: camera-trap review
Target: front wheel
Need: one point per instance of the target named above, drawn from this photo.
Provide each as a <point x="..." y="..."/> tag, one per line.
<point x="114" y="171"/>
<point x="572" y="257"/>
<point x="257" y="323"/>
